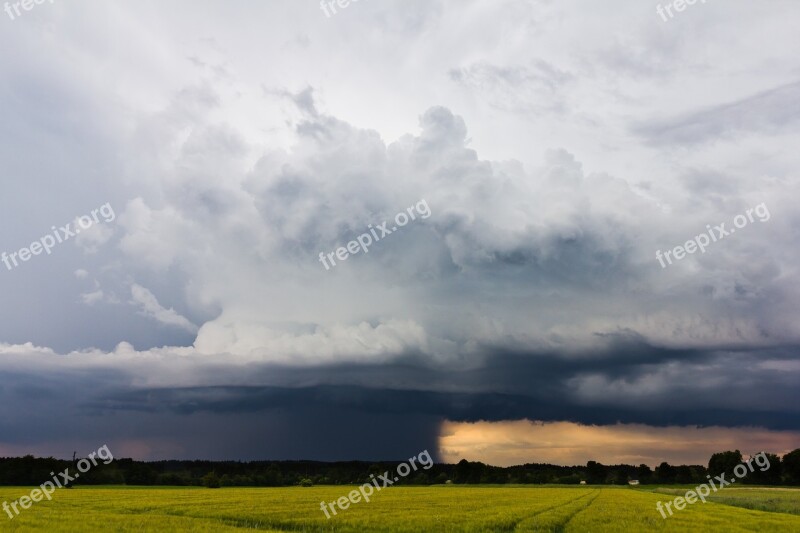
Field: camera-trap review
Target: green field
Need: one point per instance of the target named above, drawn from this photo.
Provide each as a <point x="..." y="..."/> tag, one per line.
<point x="438" y="508"/>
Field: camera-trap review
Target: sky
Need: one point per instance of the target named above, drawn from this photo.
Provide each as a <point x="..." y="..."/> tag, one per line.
<point x="581" y="217"/>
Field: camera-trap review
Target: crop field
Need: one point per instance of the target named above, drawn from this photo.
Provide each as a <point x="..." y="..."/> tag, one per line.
<point x="405" y="509"/>
<point x="760" y="499"/>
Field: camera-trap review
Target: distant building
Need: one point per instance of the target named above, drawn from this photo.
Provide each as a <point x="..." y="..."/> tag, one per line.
<point x="583" y="482"/>
<point x="633" y="482"/>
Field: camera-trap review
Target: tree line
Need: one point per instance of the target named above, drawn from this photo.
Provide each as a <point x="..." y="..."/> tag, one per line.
<point x="29" y="471"/>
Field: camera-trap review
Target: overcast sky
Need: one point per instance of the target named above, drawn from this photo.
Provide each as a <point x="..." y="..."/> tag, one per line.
<point x="556" y="146"/>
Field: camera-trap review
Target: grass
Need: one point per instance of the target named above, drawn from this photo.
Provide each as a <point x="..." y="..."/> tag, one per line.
<point x="781" y="500"/>
<point x="400" y="509"/>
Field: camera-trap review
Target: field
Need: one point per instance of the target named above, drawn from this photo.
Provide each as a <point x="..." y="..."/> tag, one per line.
<point x="406" y="509"/>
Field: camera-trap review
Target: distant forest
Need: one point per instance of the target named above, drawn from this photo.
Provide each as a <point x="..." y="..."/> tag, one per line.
<point x="29" y="471"/>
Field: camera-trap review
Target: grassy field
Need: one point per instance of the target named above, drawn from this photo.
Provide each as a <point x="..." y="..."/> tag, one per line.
<point x="409" y="509"/>
<point x="760" y="499"/>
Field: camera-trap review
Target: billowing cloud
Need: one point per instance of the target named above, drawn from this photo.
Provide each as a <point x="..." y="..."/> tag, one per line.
<point x="556" y="163"/>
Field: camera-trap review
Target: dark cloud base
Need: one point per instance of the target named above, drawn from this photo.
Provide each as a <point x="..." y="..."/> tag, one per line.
<point x="389" y="411"/>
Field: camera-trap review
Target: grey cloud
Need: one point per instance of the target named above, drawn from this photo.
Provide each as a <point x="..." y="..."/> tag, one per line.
<point x="388" y="409"/>
<point x="535" y="88"/>
<point x="766" y="113"/>
<point x="531" y="291"/>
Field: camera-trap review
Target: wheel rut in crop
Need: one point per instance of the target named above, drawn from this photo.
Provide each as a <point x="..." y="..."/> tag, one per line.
<point x="550" y="518"/>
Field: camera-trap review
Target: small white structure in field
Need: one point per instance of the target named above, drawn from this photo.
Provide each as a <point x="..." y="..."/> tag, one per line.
<point x="633" y="482"/>
<point x="583" y="482"/>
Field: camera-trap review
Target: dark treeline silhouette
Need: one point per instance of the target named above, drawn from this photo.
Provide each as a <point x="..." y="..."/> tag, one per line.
<point x="29" y="471"/>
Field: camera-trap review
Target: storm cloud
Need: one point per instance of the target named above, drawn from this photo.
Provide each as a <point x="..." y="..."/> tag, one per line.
<point x="555" y="161"/>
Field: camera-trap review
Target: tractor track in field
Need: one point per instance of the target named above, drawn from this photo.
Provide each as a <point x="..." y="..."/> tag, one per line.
<point x="562" y="526"/>
<point x="515" y="526"/>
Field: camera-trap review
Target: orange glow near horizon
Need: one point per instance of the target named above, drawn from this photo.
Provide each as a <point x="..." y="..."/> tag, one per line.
<point x="516" y="442"/>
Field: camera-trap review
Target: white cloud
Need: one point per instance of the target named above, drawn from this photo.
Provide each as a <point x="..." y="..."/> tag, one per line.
<point x="91" y="298"/>
<point x="150" y="307"/>
<point x="90" y="240"/>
